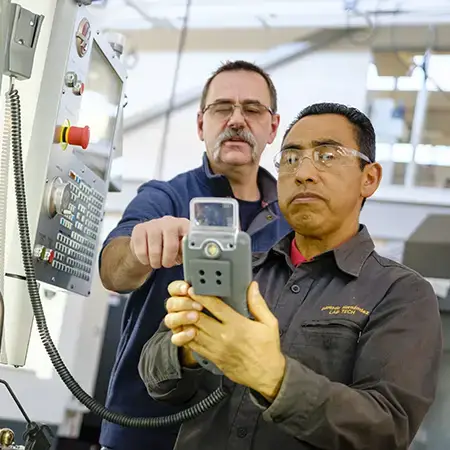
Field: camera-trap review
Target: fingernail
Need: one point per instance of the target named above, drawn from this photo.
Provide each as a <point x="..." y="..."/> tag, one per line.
<point x="190" y="333"/>
<point x="192" y="316"/>
<point x="197" y="306"/>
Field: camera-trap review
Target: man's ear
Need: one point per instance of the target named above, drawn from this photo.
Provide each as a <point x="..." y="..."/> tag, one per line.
<point x="371" y="179"/>
<point x="200" y="125"/>
<point x="275" y="124"/>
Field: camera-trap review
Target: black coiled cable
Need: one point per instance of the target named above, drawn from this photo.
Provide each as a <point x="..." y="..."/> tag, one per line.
<point x="33" y="289"/>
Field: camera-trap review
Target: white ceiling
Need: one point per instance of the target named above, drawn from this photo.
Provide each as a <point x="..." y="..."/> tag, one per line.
<point x="135" y="14"/>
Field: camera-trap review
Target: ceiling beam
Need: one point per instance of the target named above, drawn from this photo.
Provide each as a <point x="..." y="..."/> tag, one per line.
<point x="275" y="59"/>
<point x="405" y="38"/>
<point x="412" y="39"/>
<point x="215" y="39"/>
<point x="438" y="101"/>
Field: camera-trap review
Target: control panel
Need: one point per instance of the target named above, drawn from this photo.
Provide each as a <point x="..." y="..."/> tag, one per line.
<point x="92" y="95"/>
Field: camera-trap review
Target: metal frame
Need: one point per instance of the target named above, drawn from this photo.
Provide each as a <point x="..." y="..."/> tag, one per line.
<point x="120" y="69"/>
<point x="418" y="124"/>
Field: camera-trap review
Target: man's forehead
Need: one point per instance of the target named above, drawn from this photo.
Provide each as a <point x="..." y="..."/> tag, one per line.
<point x="239" y="85"/>
<point x="322" y="127"/>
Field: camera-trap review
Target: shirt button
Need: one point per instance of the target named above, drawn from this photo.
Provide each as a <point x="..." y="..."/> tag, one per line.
<point x="295" y="288"/>
<point x="242" y="432"/>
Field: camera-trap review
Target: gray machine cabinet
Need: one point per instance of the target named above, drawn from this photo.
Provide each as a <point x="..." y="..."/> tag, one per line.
<point x="427" y="251"/>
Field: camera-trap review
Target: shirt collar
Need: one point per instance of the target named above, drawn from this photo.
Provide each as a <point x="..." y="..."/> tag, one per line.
<point x="221" y="186"/>
<point x="349" y="256"/>
<point x="352" y="254"/>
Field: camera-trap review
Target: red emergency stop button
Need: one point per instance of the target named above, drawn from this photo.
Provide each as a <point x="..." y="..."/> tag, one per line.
<point x="77" y="136"/>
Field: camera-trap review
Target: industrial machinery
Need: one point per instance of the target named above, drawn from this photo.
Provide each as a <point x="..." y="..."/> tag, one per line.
<point x="67" y="178"/>
<point x="66" y="175"/>
<point x="427" y="251"/>
<point x="61" y="188"/>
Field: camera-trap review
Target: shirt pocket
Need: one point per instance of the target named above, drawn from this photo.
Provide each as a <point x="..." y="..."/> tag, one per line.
<point x="328" y="347"/>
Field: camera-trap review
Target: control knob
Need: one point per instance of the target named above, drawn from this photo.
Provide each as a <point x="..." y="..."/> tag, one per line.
<point x="70" y="79"/>
<point x="78" y="88"/>
<point x="6" y="437"/>
<point x="57" y="197"/>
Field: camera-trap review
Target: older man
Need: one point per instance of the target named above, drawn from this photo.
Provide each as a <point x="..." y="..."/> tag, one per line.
<point x="237" y="119"/>
<point x="345" y="345"/>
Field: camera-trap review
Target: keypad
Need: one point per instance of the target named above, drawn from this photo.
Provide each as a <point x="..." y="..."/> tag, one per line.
<point x="79" y="227"/>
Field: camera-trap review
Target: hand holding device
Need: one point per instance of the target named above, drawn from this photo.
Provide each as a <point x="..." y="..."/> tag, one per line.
<point x="217" y="258"/>
<point x="247" y="351"/>
<point x="182" y="315"/>
<point x="157" y="243"/>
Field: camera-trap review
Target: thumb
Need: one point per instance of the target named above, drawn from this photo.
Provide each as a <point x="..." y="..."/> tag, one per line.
<point x="183" y="230"/>
<point x="183" y="227"/>
<point x="258" y="306"/>
<point x="179" y="258"/>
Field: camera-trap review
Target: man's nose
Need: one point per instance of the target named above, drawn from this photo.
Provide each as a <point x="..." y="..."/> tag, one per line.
<point x="306" y="171"/>
<point x="236" y="119"/>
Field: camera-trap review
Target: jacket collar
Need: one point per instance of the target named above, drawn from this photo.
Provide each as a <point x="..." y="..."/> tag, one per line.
<point x="220" y="185"/>
<point x="349" y="257"/>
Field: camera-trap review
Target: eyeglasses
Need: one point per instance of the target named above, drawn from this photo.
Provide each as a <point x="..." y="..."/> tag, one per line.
<point x="224" y="110"/>
<point x="323" y="157"/>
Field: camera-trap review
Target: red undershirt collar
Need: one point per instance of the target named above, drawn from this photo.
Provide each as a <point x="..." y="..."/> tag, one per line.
<point x="296" y="257"/>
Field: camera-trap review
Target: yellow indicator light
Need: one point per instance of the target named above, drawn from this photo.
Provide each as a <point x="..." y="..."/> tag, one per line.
<point x="212" y="250"/>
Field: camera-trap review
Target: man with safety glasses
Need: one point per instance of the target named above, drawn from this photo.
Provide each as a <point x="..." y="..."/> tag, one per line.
<point x="236" y="120"/>
<point x="344" y="346"/>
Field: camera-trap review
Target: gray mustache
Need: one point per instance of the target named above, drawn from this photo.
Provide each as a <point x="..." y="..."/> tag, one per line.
<point x="231" y="133"/>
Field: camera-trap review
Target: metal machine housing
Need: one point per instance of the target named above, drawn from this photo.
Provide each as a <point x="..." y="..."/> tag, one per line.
<point x="77" y="178"/>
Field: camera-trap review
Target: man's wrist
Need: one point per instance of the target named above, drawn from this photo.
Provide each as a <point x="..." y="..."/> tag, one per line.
<point x="269" y="385"/>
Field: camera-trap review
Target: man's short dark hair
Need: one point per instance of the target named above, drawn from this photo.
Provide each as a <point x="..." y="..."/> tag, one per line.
<point x="233" y="66"/>
<point x="365" y="134"/>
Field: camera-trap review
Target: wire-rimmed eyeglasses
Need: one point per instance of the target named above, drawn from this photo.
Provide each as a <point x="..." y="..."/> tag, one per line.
<point x="224" y="110"/>
<point x="324" y="157"/>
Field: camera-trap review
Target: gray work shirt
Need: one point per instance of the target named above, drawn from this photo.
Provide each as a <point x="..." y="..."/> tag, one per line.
<point x="362" y="339"/>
